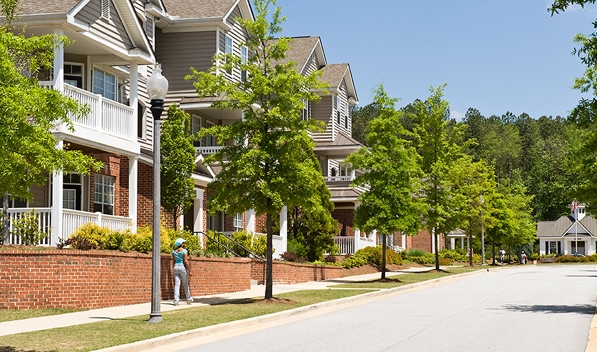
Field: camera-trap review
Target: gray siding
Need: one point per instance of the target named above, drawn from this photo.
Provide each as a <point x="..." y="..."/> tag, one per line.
<point x="177" y="52"/>
<point x="323" y="110"/>
<point x="344" y="101"/>
<point x="311" y="65"/>
<point x="238" y="35"/>
<point x="112" y="29"/>
<point x="40" y="197"/>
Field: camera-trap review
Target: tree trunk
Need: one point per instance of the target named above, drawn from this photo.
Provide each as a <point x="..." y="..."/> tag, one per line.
<point x="5" y="222"/>
<point x="470" y="247"/>
<point x="383" y="257"/>
<point x="493" y="253"/>
<point x="269" y="282"/>
<point x="435" y="238"/>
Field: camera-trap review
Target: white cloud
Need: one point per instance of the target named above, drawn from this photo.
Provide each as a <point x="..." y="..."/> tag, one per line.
<point x="456" y="115"/>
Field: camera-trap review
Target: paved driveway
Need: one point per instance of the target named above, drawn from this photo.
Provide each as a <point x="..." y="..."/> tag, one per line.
<point x="531" y="308"/>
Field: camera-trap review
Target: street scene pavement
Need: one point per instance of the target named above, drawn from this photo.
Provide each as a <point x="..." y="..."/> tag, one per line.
<point x="528" y="308"/>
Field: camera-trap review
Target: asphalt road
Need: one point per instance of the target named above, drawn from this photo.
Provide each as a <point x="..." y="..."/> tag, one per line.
<point x="528" y="308"/>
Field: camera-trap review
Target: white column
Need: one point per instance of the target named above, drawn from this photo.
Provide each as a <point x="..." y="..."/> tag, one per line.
<point x="404" y="241"/>
<point x="452" y="243"/>
<point x="433" y="241"/>
<point x="57" y="199"/>
<point x="133" y="181"/>
<point x="134" y="95"/>
<point x="357" y="238"/>
<point x="59" y="66"/>
<point x="374" y="237"/>
<point x="198" y="210"/>
<point x="284" y="229"/>
<point x="251" y="220"/>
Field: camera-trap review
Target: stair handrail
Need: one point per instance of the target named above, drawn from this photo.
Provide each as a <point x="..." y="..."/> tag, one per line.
<point x="226" y="248"/>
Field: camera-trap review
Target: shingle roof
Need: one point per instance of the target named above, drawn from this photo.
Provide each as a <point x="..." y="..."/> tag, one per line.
<point x="559" y="227"/>
<point x="300" y="51"/>
<point x="341" y="140"/>
<point x="38" y="7"/>
<point x="198" y="8"/>
<point x="334" y="74"/>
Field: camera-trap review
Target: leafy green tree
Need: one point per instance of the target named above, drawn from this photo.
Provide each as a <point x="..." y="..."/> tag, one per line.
<point x="361" y="116"/>
<point x="313" y="228"/>
<point x="439" y="143"/>
<point x="267" y="158"/>
<point x="391" y="173"/>
<point x="178" y="163"/>
<point x="28" y="112"/>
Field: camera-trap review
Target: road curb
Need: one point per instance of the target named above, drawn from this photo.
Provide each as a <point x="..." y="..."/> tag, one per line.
<point x="237" y="325"/>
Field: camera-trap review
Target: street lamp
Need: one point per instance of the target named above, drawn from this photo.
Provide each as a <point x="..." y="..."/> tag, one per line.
<point x="482" y="201"/>
<point x="157" y="87"/>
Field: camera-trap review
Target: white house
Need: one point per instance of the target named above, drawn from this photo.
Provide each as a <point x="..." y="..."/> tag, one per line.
<point x="574" y="233"/>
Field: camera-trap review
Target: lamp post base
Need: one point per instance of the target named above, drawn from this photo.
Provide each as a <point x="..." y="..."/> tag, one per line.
<point x="155" y="318"/>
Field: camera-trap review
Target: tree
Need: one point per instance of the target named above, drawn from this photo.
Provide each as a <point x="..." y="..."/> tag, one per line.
<point x="391" y="173"/>
<point x="178" y="163"/>
<point x="361" y="116"/>
<point x="472" y="185"/>
<point x="313" y="228"/>
<point x="28" y="112"/>
<point x="267" y="158"/>
<point x="437" y="142"/>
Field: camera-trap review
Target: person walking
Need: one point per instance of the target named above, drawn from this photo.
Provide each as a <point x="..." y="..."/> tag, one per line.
<point x="523" y="258"/>
<point x="182" y="270"/>
<point x="502" y="253"/>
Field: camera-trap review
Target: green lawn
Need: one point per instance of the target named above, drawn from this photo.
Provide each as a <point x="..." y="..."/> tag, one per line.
<point x="11" y="314"/>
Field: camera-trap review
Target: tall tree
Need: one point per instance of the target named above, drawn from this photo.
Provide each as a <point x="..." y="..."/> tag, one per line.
<point x="267" y="158"/>
<point x="28" y="112"/>
<point x="361" y="116"/>
<point x="178" y="163"/>
<point x="437" y="142"/>
<point x="392" y="174"/>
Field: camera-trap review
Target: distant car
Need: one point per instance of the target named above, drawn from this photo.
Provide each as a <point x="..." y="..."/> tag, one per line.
<point x="578" y="255"/>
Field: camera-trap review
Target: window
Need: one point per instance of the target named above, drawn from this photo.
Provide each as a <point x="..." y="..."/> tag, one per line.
<point x="338" y="108"/>
<point x="305" y="113"/>
<point x="228" y="51"/>
<point x="210" y="141"/>
<point x="237" y="222"/>
<point x="105" y="9"/>
<point x="195" y="127"/>
<point x="103" y="194"/>
<point x="71" y="191"/>
<point x="14" y="203"/>
<point x="244" y="58"/>
<point x="104" y="84"/>
<point x="346" y="116"/>
<point x="73" y="75"/>
<point x="140" y="120"/>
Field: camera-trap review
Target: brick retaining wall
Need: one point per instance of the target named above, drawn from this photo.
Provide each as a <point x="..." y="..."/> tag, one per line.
<point x="97" y="279"/>
<point x="292" y="273"/>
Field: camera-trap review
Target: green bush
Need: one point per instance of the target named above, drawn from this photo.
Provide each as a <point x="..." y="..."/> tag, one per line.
<point x="418" y="256"/>
<point x="445" y="261"/>
<point x="572" y="259"/>
<point x="534" y="256"/>
<point x="26" y="227"/>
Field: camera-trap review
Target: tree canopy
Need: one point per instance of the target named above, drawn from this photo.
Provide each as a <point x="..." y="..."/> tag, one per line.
<point x="267" y="158"/>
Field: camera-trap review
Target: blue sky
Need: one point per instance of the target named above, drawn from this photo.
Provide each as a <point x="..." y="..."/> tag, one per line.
<point x="495" y="55"/>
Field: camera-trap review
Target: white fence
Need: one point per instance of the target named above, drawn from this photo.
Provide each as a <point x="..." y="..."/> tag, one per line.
<point x="347" y="243"/>
<point x="208" y="150"/>
<point x="106" y="116"/>
<point x="71" y="220"/>
<point x="44" y="220"/>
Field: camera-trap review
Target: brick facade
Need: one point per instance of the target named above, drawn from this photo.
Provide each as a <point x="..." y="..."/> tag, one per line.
<point x="345" y="219"/>
<point x="422" y="240"/>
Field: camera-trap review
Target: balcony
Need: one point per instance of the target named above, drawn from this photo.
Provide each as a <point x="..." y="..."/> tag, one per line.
<point x="109" y="125"/>
<point x="208" y="149"/>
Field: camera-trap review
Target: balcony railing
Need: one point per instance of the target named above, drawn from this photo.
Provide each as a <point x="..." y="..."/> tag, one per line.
<point x="106" y="116"/>
<point x="338" y="178"/>
<point x="209" y="149"/>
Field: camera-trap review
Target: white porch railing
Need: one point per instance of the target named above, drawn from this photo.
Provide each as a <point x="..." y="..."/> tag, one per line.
<point x="338" y="178"/>
<point x="44" y="224"/>
<point x="345" y="243"/>
<point x="208" y="150"/>
<point x="73" y="219"/>
<point x="106" y="116"/>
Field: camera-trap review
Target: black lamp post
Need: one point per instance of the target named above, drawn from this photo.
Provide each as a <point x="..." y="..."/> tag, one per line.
<point x="482" y="201"/>
<point x="157" y="87"/>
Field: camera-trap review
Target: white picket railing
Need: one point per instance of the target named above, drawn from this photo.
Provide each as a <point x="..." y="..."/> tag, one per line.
<point x="44" y="223"/>
<point x="346" y="244"/>
<point x="338" y="178"/>
<point x="208" y="150"/>
<point x="72" y="219"/>
<point x="106" y="116"/>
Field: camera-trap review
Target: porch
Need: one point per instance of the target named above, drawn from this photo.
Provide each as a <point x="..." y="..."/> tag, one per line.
<point x="351" y="244"/>
<point x="71" y="220"/>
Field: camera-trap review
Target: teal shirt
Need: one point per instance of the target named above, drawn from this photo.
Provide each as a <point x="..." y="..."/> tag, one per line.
<point x="179" y="256"/>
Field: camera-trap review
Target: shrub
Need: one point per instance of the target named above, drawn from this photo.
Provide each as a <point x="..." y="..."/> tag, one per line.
<point x="534" y="256"/>
<point x="571" y="259"/>
<point x="292" y="257"/>
<point x="88" y="236"/>
<point x="371" y="255"/>
<point x="418" y="256"/>
<point x="445" y="261"/>
<point x="26" y="227"/>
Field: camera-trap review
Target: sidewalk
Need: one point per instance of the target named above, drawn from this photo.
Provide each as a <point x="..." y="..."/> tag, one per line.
<point x="95" y="315"/>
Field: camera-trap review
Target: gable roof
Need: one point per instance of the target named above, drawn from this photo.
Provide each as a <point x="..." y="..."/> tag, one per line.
<point x="301" y="49"/>
<point x="563" y="226"/>
<point x="335" y="74"/>
<point x="187" y="15"/>
<point x="42" y="7"/>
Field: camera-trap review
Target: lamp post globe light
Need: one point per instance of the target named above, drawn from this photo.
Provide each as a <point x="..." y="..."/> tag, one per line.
<point x="157" y="87"/>
<point x="482" y="201"/>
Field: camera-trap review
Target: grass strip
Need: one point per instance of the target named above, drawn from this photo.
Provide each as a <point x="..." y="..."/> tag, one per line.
<point x="405" y="279"/>
<point x="104" y="334"/>
<point x="13" y="314"/>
